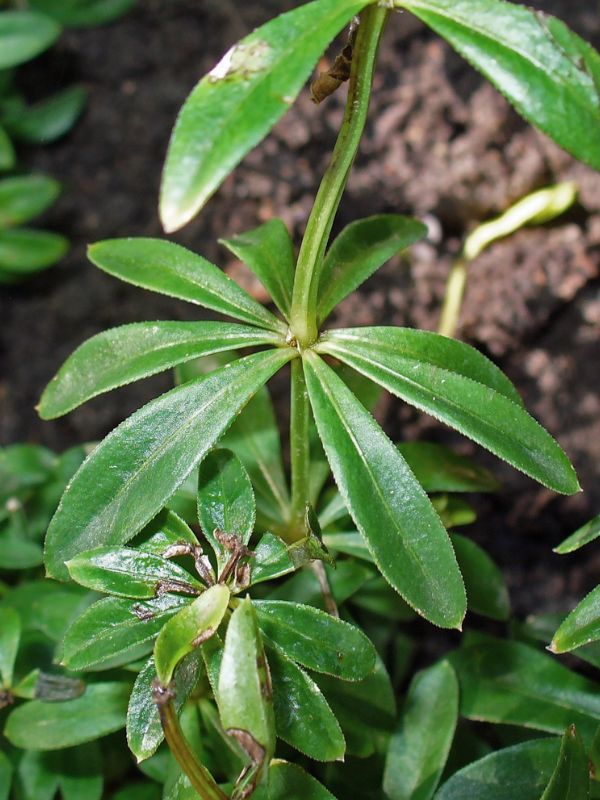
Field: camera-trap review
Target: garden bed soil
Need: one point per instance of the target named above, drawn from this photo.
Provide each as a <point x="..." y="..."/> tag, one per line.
<point x="440" y="143"/>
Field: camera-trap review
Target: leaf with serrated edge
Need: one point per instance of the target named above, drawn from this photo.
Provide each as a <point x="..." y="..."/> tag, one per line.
<point x="131" y="352"/>
<point x="582" y="536"/>
<point x="464" y="391"/>
<point x="581" y="626"/>
<point x="129" y="476"/>
<point x="405" y="535"/>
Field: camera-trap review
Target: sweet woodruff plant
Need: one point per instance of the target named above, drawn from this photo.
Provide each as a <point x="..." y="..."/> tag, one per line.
<point x="223" y="608"/>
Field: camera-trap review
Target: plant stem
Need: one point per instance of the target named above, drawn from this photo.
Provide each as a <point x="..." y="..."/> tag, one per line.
<point x="200" y="778"/>
<point x="299" y="450"/>
<point x="303" y="318"/>
<point x="453" y="297"/>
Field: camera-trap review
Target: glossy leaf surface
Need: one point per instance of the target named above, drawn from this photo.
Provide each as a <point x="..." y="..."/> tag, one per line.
<point x="584" y="535"/>
<point x="458" y="386"/>
<point x="581" y="626"/>
<point x="24" y="197"/>
<point x="546" y="71"/>
<point x="236" y="104"/>
<point x="302" y="715"/>
<point x="128" y="353"/>
<point x="269" y="252"/>
<point x="419" y="747"/>
<point x="168" y="268"/>
<point x="571" y="779"/>
<point x="225" y="500"/>
<point x="114" y="631"/>
<point x="405" y="536"/>
<point x="51" y="726"/>
<point x="503" y="681"/>
<point x="126" y="572"/>
<point x="187" y="629"/>
<point x="129" y="476"/>
<point x="516" y="772"/>
<point x="317" y="640"/>
<point x="359" y="250"/>
<point x="24" y="35"/>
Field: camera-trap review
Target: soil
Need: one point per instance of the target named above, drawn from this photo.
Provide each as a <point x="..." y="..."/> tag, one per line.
<point x="440" y="144"/>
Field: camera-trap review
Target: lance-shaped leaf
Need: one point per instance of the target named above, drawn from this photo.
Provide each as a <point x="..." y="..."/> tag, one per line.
<point x="290" y="782"/>
<point x="24" y="197"/>
<point x="516" y="772"/>
<point x="571" y="778"/>
<point x="303" y="717"/>
<point x="194" y="624"/>
<point x="245" y="692"/>
<point x="49" y="119"/>
<point x="317" y="640"/>
<point x="39" y="725"/>
<point x="144" y="729"/>
<point x="439" y="469"/>
<point x="582" y="625"/>
<point x="126" y="572"/>
<point x="24" y="251"/>
<point x="129" y="476"/>
<point x="170" y="269"/>
<point x="464" y="390"/>
<point x="225" y="500"/>
<point x="419" y="747"/>
<point x="269" y="252"/>
<point x="405" y="535"/>
<point x="546" y="71"/>
<point x="582" y="536"/>
<point x="113" y="631"/>
<point x="487" y="593"/>
<point x="24" y="35"/>
<point x="122" y="355"/>
<point x="10" y="636"/>
<point x="512" y="683"/>
<point x="359" y="250"/>
<point x="236" y="104"/>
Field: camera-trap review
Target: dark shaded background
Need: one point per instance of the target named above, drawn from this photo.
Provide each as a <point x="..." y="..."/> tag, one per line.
<point x="441" y="143"/>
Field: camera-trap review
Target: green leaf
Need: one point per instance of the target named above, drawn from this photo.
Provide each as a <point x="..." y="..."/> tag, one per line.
<point x="487" y="593"/>
<point x="548" y="73"/>
<point x="18" y="553"/>
<point x="581" y="626"/>
<point x="514" y="684"/>
<point x="24" y="197"/>
<point x="25" y="251"/>
<point x="516" y="772"/>
<point x="8" y="158"/>
<point x="317" y="640"/>
<point x="360" y="250"/>
<point x="113" y="632"/>
<point x="194" y="624"/>
<point x="225" y="500"/>
<point x="144" y="729"/>
<point x="244" y="692"/>
<point x="129" y="476"/>
<point x="37" y="725"/>
<point x="269" y="252"/>
<point x="6" y="770"/>
<point x="46" y="607"/>
<point x="10" y="636"/>
<point x="582" y="536"/>
<point x="23" y="36"/>
<point x="75" y="772"/>
<point x="271" y="559"/>
<point x="126" y="572"/>
<point x="571" y="779"/>
<point x="404" y="534"/>
<point x="83" y="13"/>
<point x="48" y="120"/>
<point x="165" y="530"/>
<point x="457" y="385"/>
<point x="239" y="101"/>
<point x="439" y="469"/>
<point x="128" y="353"/>
<point x="303" y="717"/>
<point x="170" y="269"/>
<point x="290" y="782"/>
<point x="419" y="748"/>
